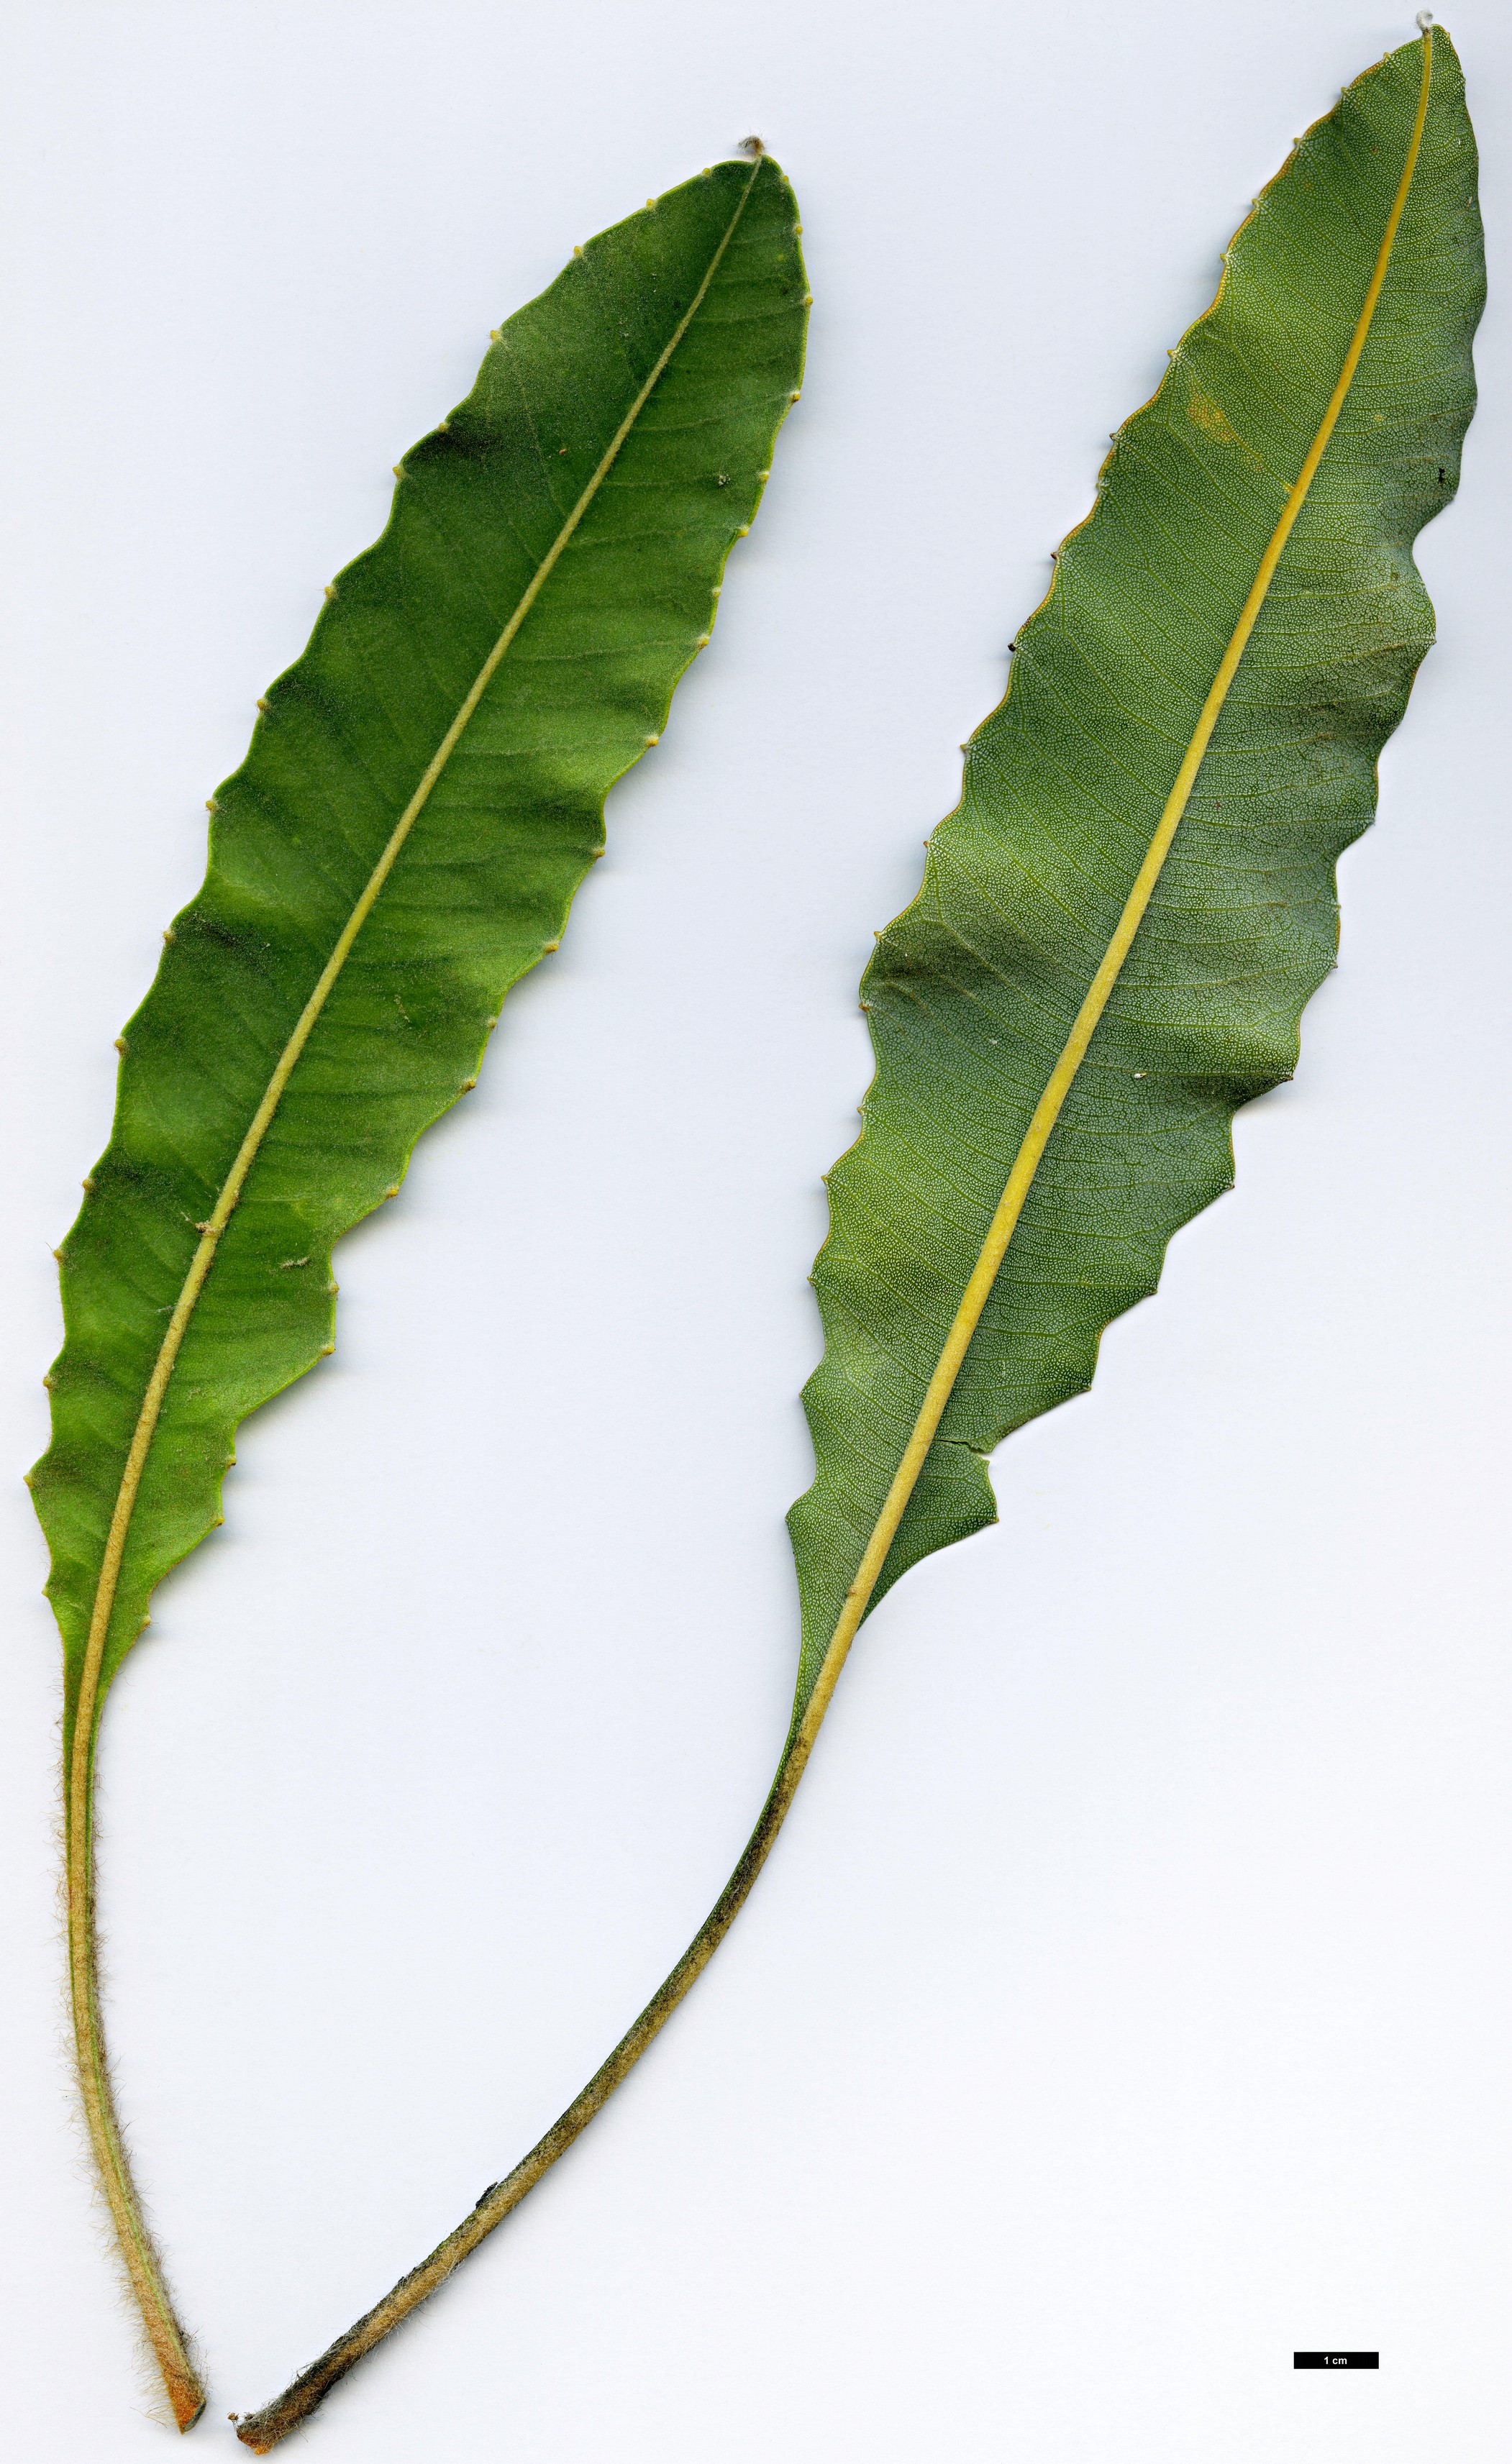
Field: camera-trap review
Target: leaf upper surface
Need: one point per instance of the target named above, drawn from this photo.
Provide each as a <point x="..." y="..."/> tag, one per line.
<point x="972" y="992"/>
<point x="524" y="490"/>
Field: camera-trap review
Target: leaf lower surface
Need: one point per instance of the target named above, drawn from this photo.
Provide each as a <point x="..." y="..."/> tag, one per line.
<point x="972" y="992"/>
<point x="481" y="887"/>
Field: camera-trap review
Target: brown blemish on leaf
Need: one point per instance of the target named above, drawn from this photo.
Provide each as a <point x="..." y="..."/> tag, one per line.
<point x="1208" y="417"/>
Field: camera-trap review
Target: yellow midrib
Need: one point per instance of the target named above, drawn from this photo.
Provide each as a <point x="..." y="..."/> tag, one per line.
<point x="235" y="1180"/>
<point x="1026" y="1162"/>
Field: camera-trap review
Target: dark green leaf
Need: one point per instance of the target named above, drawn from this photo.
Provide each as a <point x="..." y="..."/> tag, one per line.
<point x="518" y="502"/>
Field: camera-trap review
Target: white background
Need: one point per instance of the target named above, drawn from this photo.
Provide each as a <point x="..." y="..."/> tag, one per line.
<point x="1126" y="2002"/>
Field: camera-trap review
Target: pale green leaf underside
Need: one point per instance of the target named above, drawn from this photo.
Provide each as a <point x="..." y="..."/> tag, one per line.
<point x="972" y="992"/>
<point x="482" y="887"/>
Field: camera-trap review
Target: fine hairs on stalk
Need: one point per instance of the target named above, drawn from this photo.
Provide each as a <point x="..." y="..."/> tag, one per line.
<point x="152" y="2391"/>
